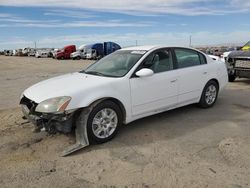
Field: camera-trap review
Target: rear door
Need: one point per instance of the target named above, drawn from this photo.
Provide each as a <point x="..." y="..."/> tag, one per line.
<point x="156" y="92"/>
<point x="193" y="74"/>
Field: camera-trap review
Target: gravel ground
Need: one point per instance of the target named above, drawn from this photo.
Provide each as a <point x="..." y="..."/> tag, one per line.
<point x="186" y="147"/>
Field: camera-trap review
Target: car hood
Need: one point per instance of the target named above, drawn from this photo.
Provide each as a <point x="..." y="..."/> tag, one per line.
<point x="239" y="54"/>
<point x="75" y="53"/>
<point x="66" y="85"/>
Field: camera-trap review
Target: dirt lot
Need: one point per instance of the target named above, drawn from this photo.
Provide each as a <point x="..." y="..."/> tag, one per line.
<point x="186" y="147"/>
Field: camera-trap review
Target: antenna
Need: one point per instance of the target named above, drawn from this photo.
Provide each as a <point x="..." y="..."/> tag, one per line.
<point x="190" y="40"/>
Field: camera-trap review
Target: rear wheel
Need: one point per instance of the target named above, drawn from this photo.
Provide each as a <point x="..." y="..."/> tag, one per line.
<point x="209" y="94"/>
<point x="103" y="122"/>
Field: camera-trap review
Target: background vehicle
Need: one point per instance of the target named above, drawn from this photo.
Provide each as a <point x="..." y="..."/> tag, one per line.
<point x="19" y="52"/>
<point x="246" y="47"/>
<point x="31" y="52"/>
<point x="126" y="85"/>
<point x="239" y="63"/>
<point x="54" y="53"/>
<point x="217" y="52"/>
<point x="80" y="53"/>
<point x="41" y="54"/>
<point x="65" y="52"/>
<point x="25" y="51"/>
<point x="99" y="50"/>
<point x="8" y="52"/>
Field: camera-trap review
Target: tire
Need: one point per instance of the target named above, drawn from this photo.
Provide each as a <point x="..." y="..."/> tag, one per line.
<point x="78" y="57"/>
<point x="231" y="78"/>
<point x="209" y="94"/>
<point x="112" y="127"/>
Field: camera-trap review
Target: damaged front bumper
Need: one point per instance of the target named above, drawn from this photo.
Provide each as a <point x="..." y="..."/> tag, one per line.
<point x="52" y="123"/>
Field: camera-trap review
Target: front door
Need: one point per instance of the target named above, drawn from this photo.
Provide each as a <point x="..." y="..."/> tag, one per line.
<point x="156" y="92"/>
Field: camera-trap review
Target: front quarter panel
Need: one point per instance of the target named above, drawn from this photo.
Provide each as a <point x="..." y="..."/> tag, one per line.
<point x="118" y="89"/>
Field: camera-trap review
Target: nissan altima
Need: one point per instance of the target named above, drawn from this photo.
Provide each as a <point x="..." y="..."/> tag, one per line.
<point x="126" y="85"/>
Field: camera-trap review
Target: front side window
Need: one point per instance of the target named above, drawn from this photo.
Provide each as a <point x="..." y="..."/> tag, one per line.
<point x="159" y="61"/>
<point x="188" y="58"/>
<point x="116" y="64"/>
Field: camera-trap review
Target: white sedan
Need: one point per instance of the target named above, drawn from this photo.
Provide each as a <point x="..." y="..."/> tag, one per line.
<point x="126" y="85"/>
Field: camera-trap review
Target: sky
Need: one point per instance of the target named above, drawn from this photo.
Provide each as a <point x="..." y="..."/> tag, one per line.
<point x="55" y="23"/>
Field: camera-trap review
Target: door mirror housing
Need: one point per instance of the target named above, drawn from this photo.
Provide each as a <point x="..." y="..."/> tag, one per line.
<point x="144" y="72"/>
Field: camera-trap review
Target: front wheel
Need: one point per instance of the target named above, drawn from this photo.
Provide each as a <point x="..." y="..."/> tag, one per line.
<point x="209" y="94"/>
<point x="103" y="122"/>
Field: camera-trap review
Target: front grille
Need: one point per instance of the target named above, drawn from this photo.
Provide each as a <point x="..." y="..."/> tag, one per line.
<point x="242" y="64"/>
<point x="31" y="105"/>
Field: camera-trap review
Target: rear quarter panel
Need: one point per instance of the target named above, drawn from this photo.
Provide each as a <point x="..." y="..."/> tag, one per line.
<point x="219" y="72"/>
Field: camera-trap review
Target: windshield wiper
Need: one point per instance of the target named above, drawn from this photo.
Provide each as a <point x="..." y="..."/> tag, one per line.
<point x="98" y="74"/>
<point x="95" y="73"/>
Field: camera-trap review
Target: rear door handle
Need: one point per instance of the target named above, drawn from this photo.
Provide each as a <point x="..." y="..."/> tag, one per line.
<point x="173" y="81"/>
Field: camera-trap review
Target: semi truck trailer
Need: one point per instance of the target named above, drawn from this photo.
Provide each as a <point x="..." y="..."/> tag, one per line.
<point x="99" y="50"/>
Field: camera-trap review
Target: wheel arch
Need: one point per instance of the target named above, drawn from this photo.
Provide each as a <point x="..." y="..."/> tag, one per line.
<point x="212" y="79"/>
<point x="215" y="80"/>
<point x="116" y="101"/>
<point x="200" y="103"/>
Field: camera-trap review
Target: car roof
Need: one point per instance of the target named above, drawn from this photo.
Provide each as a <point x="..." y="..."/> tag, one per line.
<point x="152" y="47"/>
<point x="146" y="48"/>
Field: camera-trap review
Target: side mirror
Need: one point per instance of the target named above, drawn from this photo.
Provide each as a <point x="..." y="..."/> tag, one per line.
<point x="144" y="72"/>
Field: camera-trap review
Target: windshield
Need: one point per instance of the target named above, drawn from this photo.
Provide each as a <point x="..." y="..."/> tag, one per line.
<point x="247" y="44"/>
<point x="89" y="51"/>
<point x="116" y="64"/>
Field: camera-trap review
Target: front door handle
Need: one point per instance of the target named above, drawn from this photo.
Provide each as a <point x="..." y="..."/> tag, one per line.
<point x="173" y="81"/>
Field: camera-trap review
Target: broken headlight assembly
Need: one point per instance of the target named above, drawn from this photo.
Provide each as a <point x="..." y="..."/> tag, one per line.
<point x="53" y="105"/>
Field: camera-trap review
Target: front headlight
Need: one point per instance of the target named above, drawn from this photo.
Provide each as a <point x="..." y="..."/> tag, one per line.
<point x="53" y="105"/>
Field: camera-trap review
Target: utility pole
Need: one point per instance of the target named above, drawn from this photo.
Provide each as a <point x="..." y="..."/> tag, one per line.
<point x="35" y="44"/>
<point x="190" y="41"/>
<point x="136" y="42"/>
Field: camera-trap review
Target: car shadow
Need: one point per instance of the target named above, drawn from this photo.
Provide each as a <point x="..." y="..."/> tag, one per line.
<point x="170" y="125"/>
<point x="243" y="80"/>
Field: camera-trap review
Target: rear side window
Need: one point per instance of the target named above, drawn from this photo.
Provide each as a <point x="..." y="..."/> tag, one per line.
<point x="189" y="58"/>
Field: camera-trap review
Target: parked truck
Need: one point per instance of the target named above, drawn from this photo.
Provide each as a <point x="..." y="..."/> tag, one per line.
<point x="65" y="52"/>
<point x="80" y="53"/>
<point x="238" y="63"/>
<point x="99" y="50"/>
